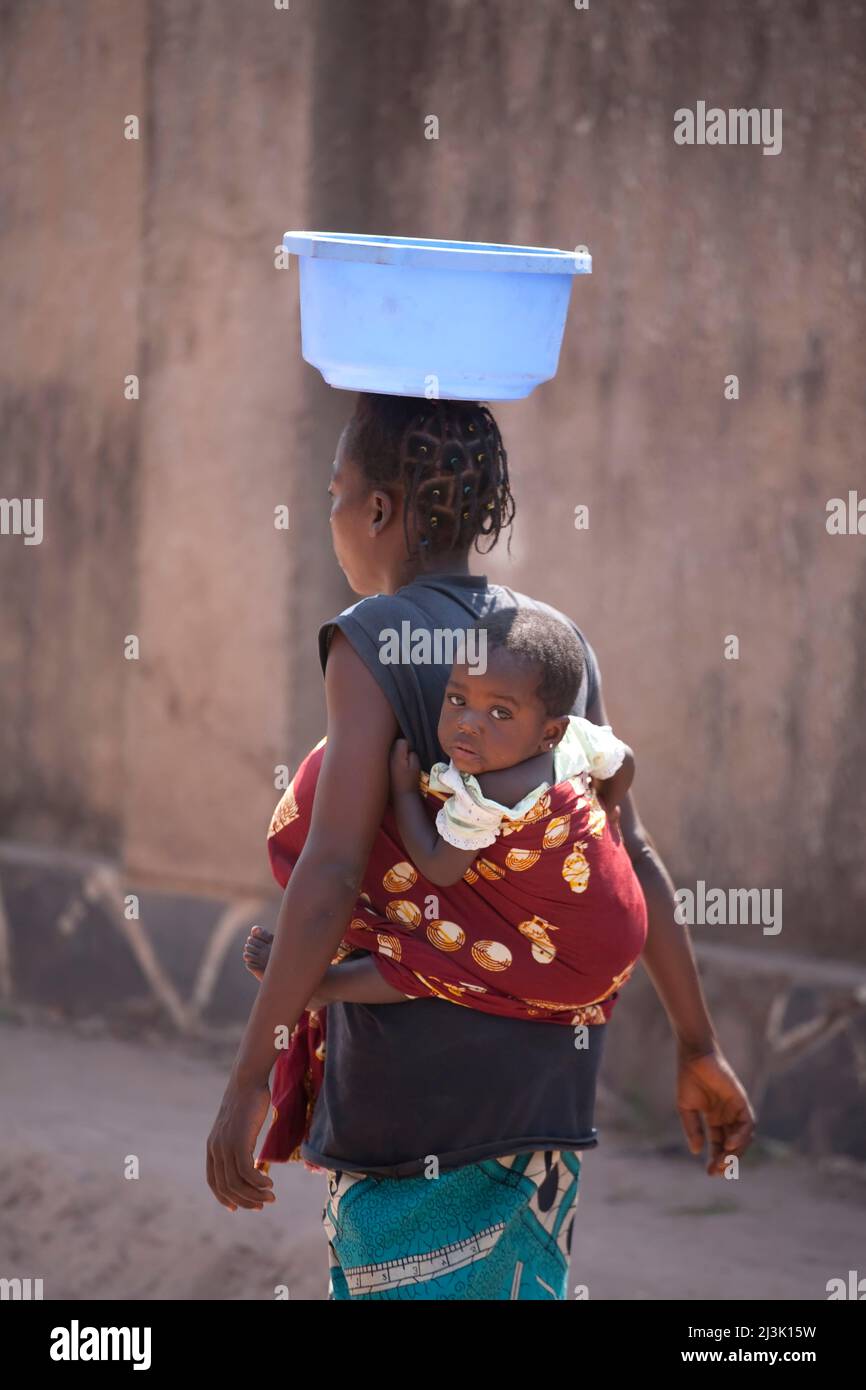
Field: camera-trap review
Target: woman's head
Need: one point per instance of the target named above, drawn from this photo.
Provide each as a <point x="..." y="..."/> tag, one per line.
<point x="516" y="702"/>
<point x="415" y="485"/>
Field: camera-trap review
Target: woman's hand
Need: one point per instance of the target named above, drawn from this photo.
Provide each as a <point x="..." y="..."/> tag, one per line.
<point x="231" y="1176"/>
<point x="405" y="768"/>
<point x="710" y="1095"/>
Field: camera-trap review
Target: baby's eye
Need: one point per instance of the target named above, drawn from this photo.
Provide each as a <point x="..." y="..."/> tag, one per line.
<point x="455" y="697"/>
<point x="501" y="710"/>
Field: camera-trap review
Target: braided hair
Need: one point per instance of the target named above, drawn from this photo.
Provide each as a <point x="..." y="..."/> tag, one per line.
<point x="450" y="458"/>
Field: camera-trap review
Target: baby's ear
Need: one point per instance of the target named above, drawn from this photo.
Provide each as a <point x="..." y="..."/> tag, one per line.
<point x="556" y="731"/>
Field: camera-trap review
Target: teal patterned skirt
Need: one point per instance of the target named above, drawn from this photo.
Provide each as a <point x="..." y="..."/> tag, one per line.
<point x="498" y="1229"/>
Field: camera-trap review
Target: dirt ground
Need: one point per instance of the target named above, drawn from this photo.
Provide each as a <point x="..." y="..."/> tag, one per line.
<point x="650" y="1225"/>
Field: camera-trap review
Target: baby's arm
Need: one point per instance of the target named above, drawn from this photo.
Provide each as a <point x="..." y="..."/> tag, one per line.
<point x="613" y="790"/>
<point x="440" y="862"/>
<point x="611" y="762"/>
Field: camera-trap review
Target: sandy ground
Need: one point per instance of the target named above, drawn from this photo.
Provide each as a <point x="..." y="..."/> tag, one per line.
<point x="650" y="1225"/>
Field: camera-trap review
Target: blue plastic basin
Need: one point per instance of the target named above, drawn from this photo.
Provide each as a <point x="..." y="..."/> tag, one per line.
<point x="406" y="316"/>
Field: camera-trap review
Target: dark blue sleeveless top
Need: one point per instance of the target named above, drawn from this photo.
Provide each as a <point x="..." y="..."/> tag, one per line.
<point x="407" y="1081"/>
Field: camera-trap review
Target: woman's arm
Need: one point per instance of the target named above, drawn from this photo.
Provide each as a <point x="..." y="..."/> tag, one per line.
<point x="440" y="862"/>
<point x="316" y="907"/>
<point x="667" y="955"/>
<point x="707" y="1085"/>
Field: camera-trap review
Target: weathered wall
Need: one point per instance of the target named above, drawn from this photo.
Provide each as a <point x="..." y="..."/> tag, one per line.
<point x="210" y="711"/>
<point x="706" y="515"/>
<point x="72" y="268"/>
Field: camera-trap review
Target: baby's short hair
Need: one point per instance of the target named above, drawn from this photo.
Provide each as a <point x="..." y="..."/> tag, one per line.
<point x="547" y="643"/>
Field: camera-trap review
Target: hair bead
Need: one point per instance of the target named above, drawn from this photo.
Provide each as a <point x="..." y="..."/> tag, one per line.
<point x="415" y="444"/>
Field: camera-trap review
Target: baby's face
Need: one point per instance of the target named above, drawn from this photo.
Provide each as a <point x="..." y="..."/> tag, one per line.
<point x="492" y="719"/>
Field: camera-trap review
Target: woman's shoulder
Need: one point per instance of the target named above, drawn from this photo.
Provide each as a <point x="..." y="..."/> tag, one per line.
<point x="548" y="608"/>
<point x="369" y="622"/>
<point x="504" y="596"/>
<point x="363" y="610"/>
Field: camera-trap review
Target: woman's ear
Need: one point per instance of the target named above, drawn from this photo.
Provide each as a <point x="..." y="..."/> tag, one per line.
<point x="383" y="509"/>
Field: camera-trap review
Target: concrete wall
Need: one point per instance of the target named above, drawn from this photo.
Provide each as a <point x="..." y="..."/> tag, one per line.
<point x="706" y="515"/>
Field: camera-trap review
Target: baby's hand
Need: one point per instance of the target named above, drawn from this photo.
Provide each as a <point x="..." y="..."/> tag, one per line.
<point x="606" y="793"/>
<point x="614" y="790"/>
<point x="405" y="767"/>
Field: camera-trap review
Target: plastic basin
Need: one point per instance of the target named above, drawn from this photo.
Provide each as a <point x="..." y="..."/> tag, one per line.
<point x="406" y="316"/>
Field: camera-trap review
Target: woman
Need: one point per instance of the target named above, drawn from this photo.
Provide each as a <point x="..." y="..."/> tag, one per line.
<point x="451" y="1138"/>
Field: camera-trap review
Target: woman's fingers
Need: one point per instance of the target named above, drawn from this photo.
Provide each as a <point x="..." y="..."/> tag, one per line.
<point x="249" y="1187"/>
<point x="216" y="1179"/>
<point x="231" y="1176"/>
<point x="724" y="1140"/>
<point x="693" y="1129"/>
<point x="716" y="1163"/>
<point x="215" y="1186"/>
<point x="739" y="1134"/>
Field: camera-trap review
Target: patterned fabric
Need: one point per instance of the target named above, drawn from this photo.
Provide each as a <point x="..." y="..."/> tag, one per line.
<point x="498" y="1229"/>
<point x="547" y="924"/>
<point x="471" y="820"/>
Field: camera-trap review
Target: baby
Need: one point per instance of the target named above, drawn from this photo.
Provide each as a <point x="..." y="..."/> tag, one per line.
<point x="505" y="749"/>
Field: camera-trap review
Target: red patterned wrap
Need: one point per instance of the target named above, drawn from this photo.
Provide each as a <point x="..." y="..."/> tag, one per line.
<point x="547" y="924"/>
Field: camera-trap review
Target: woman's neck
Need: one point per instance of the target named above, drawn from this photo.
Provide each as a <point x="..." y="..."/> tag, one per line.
<point x="451" y="562"/>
